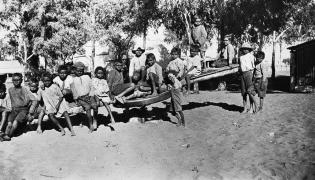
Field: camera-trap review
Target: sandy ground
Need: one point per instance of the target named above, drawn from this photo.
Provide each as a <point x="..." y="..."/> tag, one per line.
<point x="218" y="143"/>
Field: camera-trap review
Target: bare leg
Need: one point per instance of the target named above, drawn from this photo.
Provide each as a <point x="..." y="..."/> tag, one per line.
<point x="110" y="113"/>
<point x="13" y="128"/>
<point x="67" y="117"/>
<point x="153" y="85"/>
<point x="261" y="104"/>
<point x="253" y="102"/>
<point x="245" y="104"/>
<point x="39" y="125"/>
<point x="131" y="88"/>
<point x="90" y="119"/>
<point x="180" y="117"/>
<point x="3" y="119"/>
<point x="188" y="84"/>
<point x="55" y="121"/>
<point x="196" y="88"/>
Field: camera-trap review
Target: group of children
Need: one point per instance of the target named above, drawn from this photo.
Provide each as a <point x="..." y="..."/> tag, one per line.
<point x="253" y="78"/>
<point x="54" y="96"/>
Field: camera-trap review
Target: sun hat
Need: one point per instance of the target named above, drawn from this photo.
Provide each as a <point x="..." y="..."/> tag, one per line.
<point x="79" y="64"/>
<point x="138" y="49"/>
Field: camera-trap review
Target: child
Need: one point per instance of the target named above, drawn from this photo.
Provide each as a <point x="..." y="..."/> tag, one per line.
<point x="64" y="82"/>
<point x="247" y="66"/>
<point x="81" y="89"/>
<point x="154" y="75"/>
<point x="55" y="106"/>
<point x="177" y="65"/>
<point x="136" y="66"/>
<point x="176" y="99"/>
<point x="21" y="103"/>
<point x="101" y="90"/>
<point x="116" y="83"/>
<point x="39" y="111"/>
<point x="193" y="68"/>
<point x="260" y="78"/>
<point x="5" y="108"/>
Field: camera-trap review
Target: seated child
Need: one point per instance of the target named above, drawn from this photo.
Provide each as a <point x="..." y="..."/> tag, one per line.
<point x="260" y="78"/>
<point x="64" y="82"/>
<point x="39" y="111"/>
<point x="81" y="89"/>
<point x="5" y="108"/>
<point x="176" y="99"/>
<point x="154" y="74"/>
<point x="100" y="90"/>
<point x="21" y="103"/>
<point x="116" y="84"/>
<point x="54" y="103"/>
<point x="193" y="68"/>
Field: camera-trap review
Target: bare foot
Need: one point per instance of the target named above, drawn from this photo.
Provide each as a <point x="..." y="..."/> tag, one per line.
<point x="94" y="124"/>
<point x="120" y="99"/>
<point x="91" y="129"/>
<point x="39" y="131"/>
<point x="245" y="111"/>
<point x="62" y="132"/>
<point x="73" y="133"/>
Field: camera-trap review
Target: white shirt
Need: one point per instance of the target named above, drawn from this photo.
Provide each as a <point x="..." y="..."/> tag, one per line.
<point x="63" y="84"/>
<point x="196" y="63"/>
<point x="247" y="62"/>
<point x="136" y="63"/>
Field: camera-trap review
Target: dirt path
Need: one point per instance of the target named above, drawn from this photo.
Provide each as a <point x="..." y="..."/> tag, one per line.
<point x="219" y="143"/>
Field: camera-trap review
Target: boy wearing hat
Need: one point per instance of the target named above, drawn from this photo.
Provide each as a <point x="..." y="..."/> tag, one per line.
<point x="193" y="67"/>
<point x="81" y="89"/>
<point x="247" y="66"/>
<point x="137" y="65"/>
<point x="260" y="78"/>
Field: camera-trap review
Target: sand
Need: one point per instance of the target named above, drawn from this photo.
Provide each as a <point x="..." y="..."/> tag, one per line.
<point x="219" y="143"/>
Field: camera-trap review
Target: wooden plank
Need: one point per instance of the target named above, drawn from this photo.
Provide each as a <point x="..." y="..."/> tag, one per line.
<point x="214" y="73"/>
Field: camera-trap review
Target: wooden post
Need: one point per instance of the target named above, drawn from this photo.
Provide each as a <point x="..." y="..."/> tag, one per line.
<point x="273" y="74"/>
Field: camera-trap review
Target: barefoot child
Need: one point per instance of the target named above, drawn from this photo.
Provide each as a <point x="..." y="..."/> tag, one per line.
<point x="81" y="89"/>
<point x="21" y="103"/>
<point x="176" y="99"/>
<point x="247" y="66"/>
<point x="154" y="75"/>
<point x="116" y="84"/>
<point x="5" y="108"/>
<point x="39" y="111"/>
<point x="100" y="90"/>
<point x="64" y="81"/>
<point x="55" y="104"/>
<point x="193" y="68"/>
<point x="260" y="78"/>
<point x="176" y="65"/>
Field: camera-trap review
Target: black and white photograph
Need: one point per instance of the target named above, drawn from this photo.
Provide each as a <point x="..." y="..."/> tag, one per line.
<point x="157" y="89"/>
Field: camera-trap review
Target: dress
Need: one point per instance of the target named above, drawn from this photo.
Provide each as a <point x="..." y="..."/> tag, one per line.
<point x="100" y="89"/>
<point x="51" y="96"/>
<point x="199" y="36"/>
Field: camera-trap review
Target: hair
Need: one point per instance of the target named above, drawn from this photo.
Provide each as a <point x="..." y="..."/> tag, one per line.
<point x="34" y="80"/>
<point x="150" y="55"/>
<point x="3" y="88"/>
<point x="47" y="74"/>
<point x="260" y="54"/>
<point x="17" y="74"/>
<point x="62" y="67"/>
<point x="99" y="68"/>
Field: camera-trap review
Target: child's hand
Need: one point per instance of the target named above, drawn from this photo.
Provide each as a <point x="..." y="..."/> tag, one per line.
<point x="30" y="118"/>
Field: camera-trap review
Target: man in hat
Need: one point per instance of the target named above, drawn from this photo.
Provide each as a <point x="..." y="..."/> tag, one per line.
<point x="226" y="55"/>
<point x="199" y="36"/>
<point x="137" y="65"/>
<point x="247" y="66"/>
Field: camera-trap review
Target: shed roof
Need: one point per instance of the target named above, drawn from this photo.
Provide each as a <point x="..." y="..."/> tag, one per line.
<point x="11" y="67"/>
<point x="308" y="43"/>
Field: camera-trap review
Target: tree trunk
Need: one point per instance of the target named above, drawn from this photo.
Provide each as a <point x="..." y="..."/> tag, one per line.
<point x="93" y="55"/>
<point x="144" y="39"/>
<point x="273" y="69"/>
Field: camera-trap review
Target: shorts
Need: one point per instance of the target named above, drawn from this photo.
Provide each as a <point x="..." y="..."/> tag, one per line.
<point x="87" y="102"/>
<point x="119" y="88"/>
<point x="176" y="100"/>
<point x="247" y="85"/>
<point x="261" y="87"/>
<point x="18" y="114"/>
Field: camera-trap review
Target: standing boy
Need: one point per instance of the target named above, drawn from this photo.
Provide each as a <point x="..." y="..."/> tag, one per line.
<point x="193" y="68"/>
<point x="247" y="65"/>
<point x="81" y="89"/>
<point x="5" y="108"/>
<point x="21" y="103"/>
<point x="260" y="78"/>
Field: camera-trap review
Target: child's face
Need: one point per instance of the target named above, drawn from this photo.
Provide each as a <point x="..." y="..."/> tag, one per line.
<point x="100" y="74"/>
<point x="47" y="81"/>
<point x="34" y="87"/>
<point x="193" y="53"/>
<point x="17" y="81"/>
<point x="79" y="71"/>
<point x="2" y="94"/>
<point x="63" y="74"/>
<point x="174" y="56"/>
<point x="118" y="66"/>
<point x="151" y="61"/>
<point x="259" y="60"/>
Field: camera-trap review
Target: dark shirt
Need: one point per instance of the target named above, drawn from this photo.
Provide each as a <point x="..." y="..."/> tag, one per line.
<point x="114" y="78"/>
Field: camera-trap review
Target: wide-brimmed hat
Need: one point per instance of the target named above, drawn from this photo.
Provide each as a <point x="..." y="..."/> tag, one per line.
<point x="246" y="46"/>
<point x="176" y="50"/>
<point x="138" y="49"/>
<point x="79" y="64"/>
